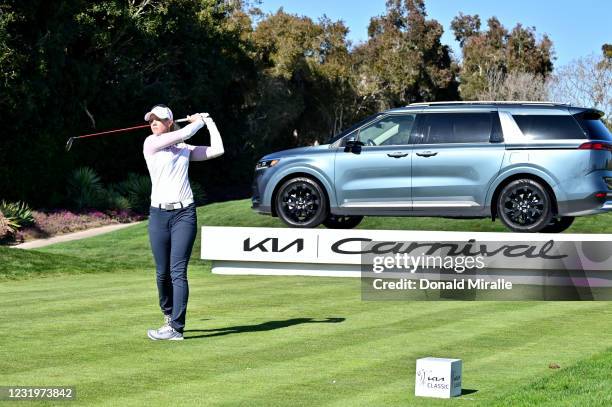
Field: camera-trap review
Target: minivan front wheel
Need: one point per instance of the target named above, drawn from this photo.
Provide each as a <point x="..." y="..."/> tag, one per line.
<point x="301" y="203"/>
<point x="524" y="206"/>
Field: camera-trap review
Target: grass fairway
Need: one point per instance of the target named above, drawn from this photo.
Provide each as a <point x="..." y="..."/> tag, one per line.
<point x="75" y="314"/>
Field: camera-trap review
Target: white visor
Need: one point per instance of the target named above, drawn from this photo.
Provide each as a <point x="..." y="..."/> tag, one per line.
<point x="161" y="112"/>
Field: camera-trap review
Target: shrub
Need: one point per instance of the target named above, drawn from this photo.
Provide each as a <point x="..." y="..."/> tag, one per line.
<point x="137" y="189"/>
<point x="115" y="201"/>
<point x="18" y="212"/>
<point x="59" y="222"/>
<point x="85" y="189"/>
<point x="124" y="216"/>
<point x="63" y="221"/>
<point x="119" y="203"/>
<point x="7" y="226"/>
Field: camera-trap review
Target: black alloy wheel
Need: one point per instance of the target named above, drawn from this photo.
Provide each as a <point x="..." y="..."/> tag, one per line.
<point x="301" y="203"/>
<point x="524" y="206"/>
<point x="342" y="221"/>
<point x="558" y="225"/>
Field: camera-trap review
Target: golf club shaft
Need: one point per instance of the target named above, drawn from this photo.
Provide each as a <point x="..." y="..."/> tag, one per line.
<point x="120" y="130"/>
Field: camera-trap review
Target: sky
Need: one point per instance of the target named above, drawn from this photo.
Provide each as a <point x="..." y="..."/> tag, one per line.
<point x="577" y="28"/>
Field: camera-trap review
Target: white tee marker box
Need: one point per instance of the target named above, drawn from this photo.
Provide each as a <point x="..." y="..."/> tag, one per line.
<point x="438" y="377"/>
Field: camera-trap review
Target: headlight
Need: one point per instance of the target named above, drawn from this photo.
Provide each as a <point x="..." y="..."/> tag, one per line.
<point x="266" y="164"/>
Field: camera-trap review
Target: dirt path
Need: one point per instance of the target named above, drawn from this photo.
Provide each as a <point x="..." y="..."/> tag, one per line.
<point x="33" y="244"/>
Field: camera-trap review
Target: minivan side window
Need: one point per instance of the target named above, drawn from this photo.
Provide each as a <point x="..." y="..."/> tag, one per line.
<point x="352" y="128"/>
<point x="593" y="126"/>
<point x="439" y="128"/>
<point x="549" y="127"/>
<point x="388" y="131"/>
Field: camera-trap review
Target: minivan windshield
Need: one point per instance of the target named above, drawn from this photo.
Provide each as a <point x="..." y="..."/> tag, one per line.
<point x="353" y="127"/>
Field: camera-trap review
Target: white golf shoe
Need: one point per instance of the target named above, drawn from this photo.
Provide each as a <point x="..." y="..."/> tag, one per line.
<point x="165" y="333"/>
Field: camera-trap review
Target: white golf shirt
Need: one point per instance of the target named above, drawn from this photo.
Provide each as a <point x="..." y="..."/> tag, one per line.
<point x="167" y="158"/>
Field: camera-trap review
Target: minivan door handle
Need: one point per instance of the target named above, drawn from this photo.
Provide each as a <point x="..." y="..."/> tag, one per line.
<point x="427" y="154"/>
<point x="397" y="154"/>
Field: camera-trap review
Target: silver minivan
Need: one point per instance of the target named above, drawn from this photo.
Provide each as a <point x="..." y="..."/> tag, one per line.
<point x="533" y="165"/>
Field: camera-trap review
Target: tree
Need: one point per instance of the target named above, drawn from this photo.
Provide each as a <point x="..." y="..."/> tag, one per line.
<point x="515" y="85"/>
<point x="607" y="50"/>
<point x="71" y="67"/>
<point x="403" y="60"/>
<point x="465" y="26"/>
<point x="303" y="80"/>
<point x="500" y="52"/>
<point x="586" y="82"/>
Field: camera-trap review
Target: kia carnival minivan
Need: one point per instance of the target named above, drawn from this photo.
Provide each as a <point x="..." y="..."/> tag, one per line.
<point x="533" y="165"/>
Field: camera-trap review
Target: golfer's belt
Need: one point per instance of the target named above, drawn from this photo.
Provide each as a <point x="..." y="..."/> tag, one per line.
<point x="170" y="206"/>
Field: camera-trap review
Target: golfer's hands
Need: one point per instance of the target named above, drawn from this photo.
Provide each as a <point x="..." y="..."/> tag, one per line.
<point x="207" y="119"/>
<point x="198" y="116"/>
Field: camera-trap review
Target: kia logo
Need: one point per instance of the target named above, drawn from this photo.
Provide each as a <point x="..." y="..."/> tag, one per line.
<point x="270" y="244"/>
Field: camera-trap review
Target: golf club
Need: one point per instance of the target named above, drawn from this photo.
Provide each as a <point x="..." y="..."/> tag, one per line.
<point x="71" y="139"/>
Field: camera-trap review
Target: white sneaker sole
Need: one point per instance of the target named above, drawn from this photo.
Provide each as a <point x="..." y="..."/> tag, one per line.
<point x="177" y="338"/>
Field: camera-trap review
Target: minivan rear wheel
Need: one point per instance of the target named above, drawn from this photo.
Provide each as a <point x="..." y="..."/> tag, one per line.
<point x="342" y="221"/>
<point x="301" y="203"/>
<point x="524" y="206"/>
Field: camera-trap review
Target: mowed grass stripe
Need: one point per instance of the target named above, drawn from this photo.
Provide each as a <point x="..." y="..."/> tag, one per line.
<point x="119" y="307"/>
<point x="61" y="326"/>
<point x="444" y="345"/>
<point x="103" y="290"/>
<point x="586" y="383"/>
<point x="19" y="264"/>
<point x="121" y="321"/>
<point x="501" y="360"/>
<point x="116" y="361"/>
<point x="93" y="322"/>
<point x="224" y="357"/>
<point x="46" y="289"/>
<point x="293" y="367"/>
<point x="144" y="296"/>
<point x="144" y="290"/>
<point x="469" y="360"/>
<point x="461" y="316"/>
<point x="321" y="351"/>
<point x="76" y="368"/>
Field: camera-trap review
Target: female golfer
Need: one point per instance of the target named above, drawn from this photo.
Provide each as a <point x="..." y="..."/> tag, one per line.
<point x="172" y="220"/>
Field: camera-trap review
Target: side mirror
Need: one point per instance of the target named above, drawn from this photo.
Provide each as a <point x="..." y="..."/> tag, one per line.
<point x="353" y="145"/>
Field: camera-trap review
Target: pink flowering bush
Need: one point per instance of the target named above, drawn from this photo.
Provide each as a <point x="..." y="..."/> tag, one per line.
<point x="57" y="222"/>
<point x="95" y="205"/>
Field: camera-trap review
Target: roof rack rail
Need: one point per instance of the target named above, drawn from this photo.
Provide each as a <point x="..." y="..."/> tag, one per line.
<point x="490" y="102"/>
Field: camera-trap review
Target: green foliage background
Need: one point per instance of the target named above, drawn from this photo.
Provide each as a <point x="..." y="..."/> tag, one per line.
<point x="270" y="81"/>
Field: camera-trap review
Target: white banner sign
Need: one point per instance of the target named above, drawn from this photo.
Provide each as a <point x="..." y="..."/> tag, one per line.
<point x="329" y="246"/>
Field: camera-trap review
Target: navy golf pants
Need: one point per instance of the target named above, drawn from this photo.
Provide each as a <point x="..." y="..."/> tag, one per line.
<point x="172" y="234"/>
